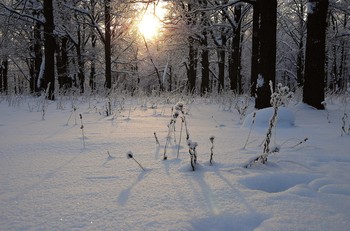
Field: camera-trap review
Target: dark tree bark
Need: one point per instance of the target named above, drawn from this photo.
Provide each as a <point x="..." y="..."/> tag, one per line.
<point x="36" y="60"/>
<point x="235" y="54"/>
<point x="192" y="51"/>
<point x="221" y="64"/>
<point x="300" y="64"/>
<point x="1" y="79"/>
<point x="313" y="92"/>
<point x="266" y="56"/>
<point x="205" y="65"/>
<point x="64" y="81"/>
<point x="93" y="39"/>
<point x="79" y="50"/>
<point x="62" y="43"/>
<point x="192" y="67"/>
<point x="107" y="43"/>
<point x="49" y="44"/>
<point x="92" y="83"/>
<point x="205" y="50"/>
<point x="220" y="40"/>
<point x="3" y="75"/>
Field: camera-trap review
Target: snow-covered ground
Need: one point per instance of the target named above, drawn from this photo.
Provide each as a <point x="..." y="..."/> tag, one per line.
<point x="53" y="179"/>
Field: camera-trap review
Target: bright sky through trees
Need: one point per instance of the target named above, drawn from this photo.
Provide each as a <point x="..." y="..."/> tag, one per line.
<point x="150" y="24"/>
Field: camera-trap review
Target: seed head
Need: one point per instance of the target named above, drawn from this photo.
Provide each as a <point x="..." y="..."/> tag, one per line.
<point x="129" y="155"/>
<point x="211" y="139"/>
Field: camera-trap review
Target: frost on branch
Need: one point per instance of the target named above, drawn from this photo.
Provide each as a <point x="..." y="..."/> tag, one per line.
<point x="281" y="96"/>
<point x="278" y="98"/>
<point x="193" y="153"/>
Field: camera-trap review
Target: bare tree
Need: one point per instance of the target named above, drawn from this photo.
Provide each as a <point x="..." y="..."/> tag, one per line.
<point x="264" y="50"/>
<point x="336" y="46"/>
<point x="107" y="44"/>
<point x="48" y="81"/>
<point x="313" y="91"/>
<point x="291" y="37"/>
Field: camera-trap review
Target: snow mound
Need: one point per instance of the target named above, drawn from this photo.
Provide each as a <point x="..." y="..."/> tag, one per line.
<point x="262" y="118"/>
<point x="274" y="183"/>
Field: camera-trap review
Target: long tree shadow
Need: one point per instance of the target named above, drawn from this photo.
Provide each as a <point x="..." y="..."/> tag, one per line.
<point x="207" y="193"/>
<point x="223" y="220"/>
<point x="124" y="195"/>
<point x="46" y="177"/>
<point x="236" y="192"/>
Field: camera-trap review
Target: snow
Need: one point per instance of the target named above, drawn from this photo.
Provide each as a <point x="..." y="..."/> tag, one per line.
<point x="310" y="7"/>
<point x="260" y="81"/>
<point x="262" y="118"/>
<point x="50" y="181"/>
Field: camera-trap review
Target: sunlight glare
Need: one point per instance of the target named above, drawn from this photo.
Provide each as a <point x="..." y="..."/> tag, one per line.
<point x="149" y="26"/>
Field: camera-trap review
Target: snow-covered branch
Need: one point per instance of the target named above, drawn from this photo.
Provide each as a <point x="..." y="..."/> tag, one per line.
<point x="21" y="15"/>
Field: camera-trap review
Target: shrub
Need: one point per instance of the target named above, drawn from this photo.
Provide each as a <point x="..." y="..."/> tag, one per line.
<point x="278" y="98"/>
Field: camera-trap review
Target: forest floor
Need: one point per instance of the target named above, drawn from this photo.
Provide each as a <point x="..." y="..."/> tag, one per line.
<point x="56" y="176"/>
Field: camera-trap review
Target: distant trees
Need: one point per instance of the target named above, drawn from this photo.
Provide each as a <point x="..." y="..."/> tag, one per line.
<point x="206" y="47"/>
<point x="291" y="42"/>
<point x="337" y="60"/>
<point x="235" y="51"/>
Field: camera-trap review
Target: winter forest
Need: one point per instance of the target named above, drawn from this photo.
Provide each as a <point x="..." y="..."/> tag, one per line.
<point x="194" y="115"/>
<point x="196" y="47"/>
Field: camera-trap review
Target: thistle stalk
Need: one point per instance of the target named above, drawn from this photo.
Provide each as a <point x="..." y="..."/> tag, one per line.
<point x="211" y="149"/>
<point x="82" y="129"/>
<point x="130" y="155"/>
<point x="155" y="136"/>
<point x="178" y="147"/>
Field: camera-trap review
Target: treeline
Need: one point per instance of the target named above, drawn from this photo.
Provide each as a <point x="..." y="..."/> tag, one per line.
<point x="205" y="46"/>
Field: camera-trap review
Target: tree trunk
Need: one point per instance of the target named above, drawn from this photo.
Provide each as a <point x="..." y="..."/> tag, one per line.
<point x="205" y="66"/>
<point x="313" y="92"/>
<point x="1" y="79"/>
<point x="266" y="62"/>
<point x="255" y="50"/>
<point x="300" y="64"/>
<point x="80" y="51"/>
<point x="343" y="59"/>
<point x="108" y="49"/>
<point x="49" y="44"/>
<point x="35" y="62"/>
<point x="3" y="75"/>
<point x="235" y="55"/>
<point x="221" y="45"/>
<point x="81" y="75"/>
<point x="221" y="65"/>
<point x="300" y="55"/>
<point x="92" y="83"/>
<point x="205" y="51"/>
<point x="192" y="69"/>
<point x="64" y="81"/>
<point x="192" y="51"/>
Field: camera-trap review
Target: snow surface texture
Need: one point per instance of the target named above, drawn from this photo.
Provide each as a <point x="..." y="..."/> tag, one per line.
<point x="50" y="181"/>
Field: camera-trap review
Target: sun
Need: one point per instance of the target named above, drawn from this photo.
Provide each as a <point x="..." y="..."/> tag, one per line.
<point x="149" y="26"/>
